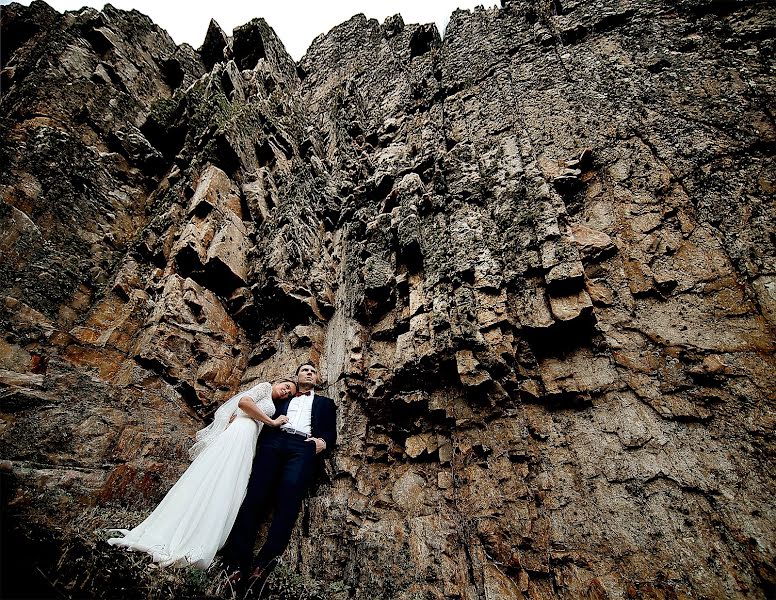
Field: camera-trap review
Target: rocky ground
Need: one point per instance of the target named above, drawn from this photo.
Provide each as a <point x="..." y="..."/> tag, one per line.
<point x="534" y="261"/>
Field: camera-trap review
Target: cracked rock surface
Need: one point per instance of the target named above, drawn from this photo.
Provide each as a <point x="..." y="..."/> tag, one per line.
<point x="534" y="261"/>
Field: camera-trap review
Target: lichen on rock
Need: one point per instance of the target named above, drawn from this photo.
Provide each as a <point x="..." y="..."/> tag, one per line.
<point x="533" y="261"/>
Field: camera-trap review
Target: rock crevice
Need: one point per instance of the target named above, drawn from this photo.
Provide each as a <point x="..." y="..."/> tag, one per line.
<point x="534" y="261"/>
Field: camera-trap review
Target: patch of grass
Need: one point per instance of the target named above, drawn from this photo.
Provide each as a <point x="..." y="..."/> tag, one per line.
<point x="285" y="584"/>
<point x="71" y="559"/>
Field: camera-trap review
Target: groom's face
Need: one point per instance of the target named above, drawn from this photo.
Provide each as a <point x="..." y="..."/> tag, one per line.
<point x="307" y="376"/>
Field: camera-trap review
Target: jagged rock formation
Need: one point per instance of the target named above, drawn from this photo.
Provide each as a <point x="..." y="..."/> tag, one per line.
<point x="534" y="260"/>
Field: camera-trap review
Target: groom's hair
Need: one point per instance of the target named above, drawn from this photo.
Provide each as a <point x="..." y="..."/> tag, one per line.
<point x="299" y="368"/>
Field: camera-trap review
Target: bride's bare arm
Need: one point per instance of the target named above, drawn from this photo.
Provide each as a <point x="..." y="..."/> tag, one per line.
<point x="254" y="412"/>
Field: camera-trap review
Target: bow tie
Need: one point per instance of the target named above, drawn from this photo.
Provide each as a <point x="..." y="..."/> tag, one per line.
<point x="300" y="394"/>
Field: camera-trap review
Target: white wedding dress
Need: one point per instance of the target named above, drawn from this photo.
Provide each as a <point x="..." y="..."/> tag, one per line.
<point x="194" y="519"/>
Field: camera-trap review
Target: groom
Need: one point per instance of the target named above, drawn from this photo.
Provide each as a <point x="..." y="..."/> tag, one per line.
<point x="283" y="469"/>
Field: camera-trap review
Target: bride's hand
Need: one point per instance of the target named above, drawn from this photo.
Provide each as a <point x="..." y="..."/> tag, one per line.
<point x="281" y="420"/>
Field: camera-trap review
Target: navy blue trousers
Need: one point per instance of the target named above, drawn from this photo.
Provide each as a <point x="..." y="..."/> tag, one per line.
<point x="282" y="471"/>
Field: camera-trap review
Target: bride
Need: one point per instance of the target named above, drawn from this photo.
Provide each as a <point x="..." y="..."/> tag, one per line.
<point x="193" y="520"/>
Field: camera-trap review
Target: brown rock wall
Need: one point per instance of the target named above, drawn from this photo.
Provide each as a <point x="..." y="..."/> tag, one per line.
<point x="533" y="260"/>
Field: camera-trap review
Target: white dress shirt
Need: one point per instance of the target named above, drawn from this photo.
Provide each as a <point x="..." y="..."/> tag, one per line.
<point x="300" y="411"/>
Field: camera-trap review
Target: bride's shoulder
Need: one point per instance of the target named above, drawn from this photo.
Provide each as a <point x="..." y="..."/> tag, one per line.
<point x="260" y="389"/>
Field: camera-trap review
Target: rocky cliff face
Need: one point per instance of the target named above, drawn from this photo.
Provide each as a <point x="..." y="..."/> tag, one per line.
<point x="534" y="261"/>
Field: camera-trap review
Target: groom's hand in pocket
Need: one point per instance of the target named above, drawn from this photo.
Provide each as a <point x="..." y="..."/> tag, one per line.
<point x="320" y="444"/>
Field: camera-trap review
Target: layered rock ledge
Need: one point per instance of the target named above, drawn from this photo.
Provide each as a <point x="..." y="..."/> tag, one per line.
<point x="534" y="261"/>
